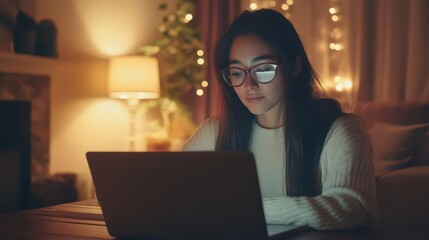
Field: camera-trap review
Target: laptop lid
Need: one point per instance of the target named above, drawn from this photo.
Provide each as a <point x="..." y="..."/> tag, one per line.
<point x="179" y="195"/>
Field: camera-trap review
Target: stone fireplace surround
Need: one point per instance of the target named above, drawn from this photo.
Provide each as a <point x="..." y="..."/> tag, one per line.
<point x="25" y="77"/>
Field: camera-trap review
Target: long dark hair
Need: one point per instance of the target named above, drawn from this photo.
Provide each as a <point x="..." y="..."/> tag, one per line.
<point x="308" y="118"/>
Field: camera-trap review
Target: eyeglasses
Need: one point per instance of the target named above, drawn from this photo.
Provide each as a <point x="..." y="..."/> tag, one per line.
<point x="262" y="73"/>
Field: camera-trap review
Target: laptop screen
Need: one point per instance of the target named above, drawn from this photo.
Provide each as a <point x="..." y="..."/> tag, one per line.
<point x="170" y="195"/>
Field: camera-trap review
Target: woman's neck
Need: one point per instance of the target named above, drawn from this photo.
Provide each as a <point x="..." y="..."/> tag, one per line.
<point x="274" y="118"/>
<point x="270" y="122"/>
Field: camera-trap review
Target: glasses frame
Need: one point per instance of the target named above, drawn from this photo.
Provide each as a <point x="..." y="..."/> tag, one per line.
<point x="251" y="71"/>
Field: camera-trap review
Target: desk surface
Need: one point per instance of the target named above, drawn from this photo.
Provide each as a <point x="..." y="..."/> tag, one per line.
<point x="84" y="220"/>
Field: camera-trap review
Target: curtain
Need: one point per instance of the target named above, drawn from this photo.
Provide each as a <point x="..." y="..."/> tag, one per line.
<point x="392" y="42"/>
<point x="213" y="18"/>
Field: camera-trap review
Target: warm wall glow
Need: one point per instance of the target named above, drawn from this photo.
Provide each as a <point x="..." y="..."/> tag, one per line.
<point x="110" y="35"/>
<point x="113" y="27"/>
<point x="134" y="77"/>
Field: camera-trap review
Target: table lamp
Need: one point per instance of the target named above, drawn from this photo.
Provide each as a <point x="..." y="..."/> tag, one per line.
<point x="133" y="78"/>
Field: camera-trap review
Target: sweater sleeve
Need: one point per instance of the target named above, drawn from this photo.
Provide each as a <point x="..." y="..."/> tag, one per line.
<point x="204" y="138"/>
<point x="348" y="198"/>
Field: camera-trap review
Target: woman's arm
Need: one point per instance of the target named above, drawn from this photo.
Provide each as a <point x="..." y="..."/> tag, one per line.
<point x="204" y="138"/>
<point x="348" y="188"/>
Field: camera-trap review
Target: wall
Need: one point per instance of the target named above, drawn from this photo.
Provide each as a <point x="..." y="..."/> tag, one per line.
<point x="83" y="118"/>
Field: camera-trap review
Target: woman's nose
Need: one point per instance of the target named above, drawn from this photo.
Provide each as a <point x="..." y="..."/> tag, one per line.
<point x="250" y="82"/>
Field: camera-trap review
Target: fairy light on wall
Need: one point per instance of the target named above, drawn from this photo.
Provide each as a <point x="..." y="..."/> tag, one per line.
<point x="204" y="83"/>
<point x="339" y="84"/>
<point x="283" y="6"/>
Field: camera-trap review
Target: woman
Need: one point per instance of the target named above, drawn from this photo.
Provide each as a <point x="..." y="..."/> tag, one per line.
<point x="314" y="162"/>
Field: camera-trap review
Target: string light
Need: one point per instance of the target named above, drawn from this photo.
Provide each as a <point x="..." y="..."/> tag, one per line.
<point x="200" y="61"/>
<point x="337" y="79"/>
<point x="204" y="84"/>
<point x="285" y="6"/>
<point x="188" y="18"/>
<point x="199" y="92"/>
<point x="280" y="5"/>
<point x="200" y="53"/>
<point x="348" y="84"/>
<point x="340" y="84"/>
<point x="339" y="87"/>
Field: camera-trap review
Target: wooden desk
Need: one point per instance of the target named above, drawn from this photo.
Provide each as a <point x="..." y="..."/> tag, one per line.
<point x="84" y="220"/>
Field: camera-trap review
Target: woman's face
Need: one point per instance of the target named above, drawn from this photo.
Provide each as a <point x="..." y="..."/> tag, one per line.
<point x="262" y="99"/>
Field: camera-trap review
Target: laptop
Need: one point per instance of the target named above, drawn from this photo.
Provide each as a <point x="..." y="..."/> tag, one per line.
<point x="181" y="195"/>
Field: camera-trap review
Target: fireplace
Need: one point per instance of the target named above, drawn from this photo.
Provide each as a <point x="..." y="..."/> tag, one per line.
<point x="15" y="156"/>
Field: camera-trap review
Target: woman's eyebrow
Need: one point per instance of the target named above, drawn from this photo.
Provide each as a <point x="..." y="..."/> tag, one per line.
<point x="263" y="57"/>
<point x="255" y="59"/>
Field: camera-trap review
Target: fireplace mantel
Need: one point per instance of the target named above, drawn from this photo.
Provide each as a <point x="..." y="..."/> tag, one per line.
<point x="26" y="64"/>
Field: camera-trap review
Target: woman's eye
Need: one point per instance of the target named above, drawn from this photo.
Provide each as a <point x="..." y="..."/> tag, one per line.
<point x="236" y="74"/>
<point x="264" y="68"/>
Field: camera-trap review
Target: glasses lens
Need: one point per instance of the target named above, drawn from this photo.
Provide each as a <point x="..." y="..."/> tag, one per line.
<point x="264" y="72"/>
<point x="233" y="76"/>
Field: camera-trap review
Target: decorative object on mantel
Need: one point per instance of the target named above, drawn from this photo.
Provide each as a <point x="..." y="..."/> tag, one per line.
<point x="46" y="39"/>
<point x="6" y="33"/>
<point x="24" y="34"/>
<point x="8" y="13"/>
<point x="20" y="33"/>
<point x="133" y="78"/>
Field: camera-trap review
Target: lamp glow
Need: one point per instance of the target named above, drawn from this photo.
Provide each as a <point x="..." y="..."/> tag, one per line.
<point x="134" y="77"/>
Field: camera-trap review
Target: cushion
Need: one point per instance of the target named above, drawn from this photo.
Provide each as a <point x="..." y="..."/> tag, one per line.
<point x="403" y="113"/>
<point x="395" y="145"/>
<point x="422" y="157"/>
<point x="403" y="196"/>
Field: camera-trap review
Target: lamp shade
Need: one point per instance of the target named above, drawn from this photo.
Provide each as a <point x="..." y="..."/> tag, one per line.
<point x="134" y="77"/>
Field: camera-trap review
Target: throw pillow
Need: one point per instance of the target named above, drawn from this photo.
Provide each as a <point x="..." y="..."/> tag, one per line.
<point x="395" y="145"/>
<point x="422" y="157"/>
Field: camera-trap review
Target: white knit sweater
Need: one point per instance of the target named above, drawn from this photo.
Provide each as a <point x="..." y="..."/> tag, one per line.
<point x="346" y="169"/>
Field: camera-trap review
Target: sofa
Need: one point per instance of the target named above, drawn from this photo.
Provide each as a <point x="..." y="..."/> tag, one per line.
<point x="399" y="132"/>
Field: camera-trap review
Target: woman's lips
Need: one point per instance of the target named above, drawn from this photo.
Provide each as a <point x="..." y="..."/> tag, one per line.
<point x="254" y="99"/>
